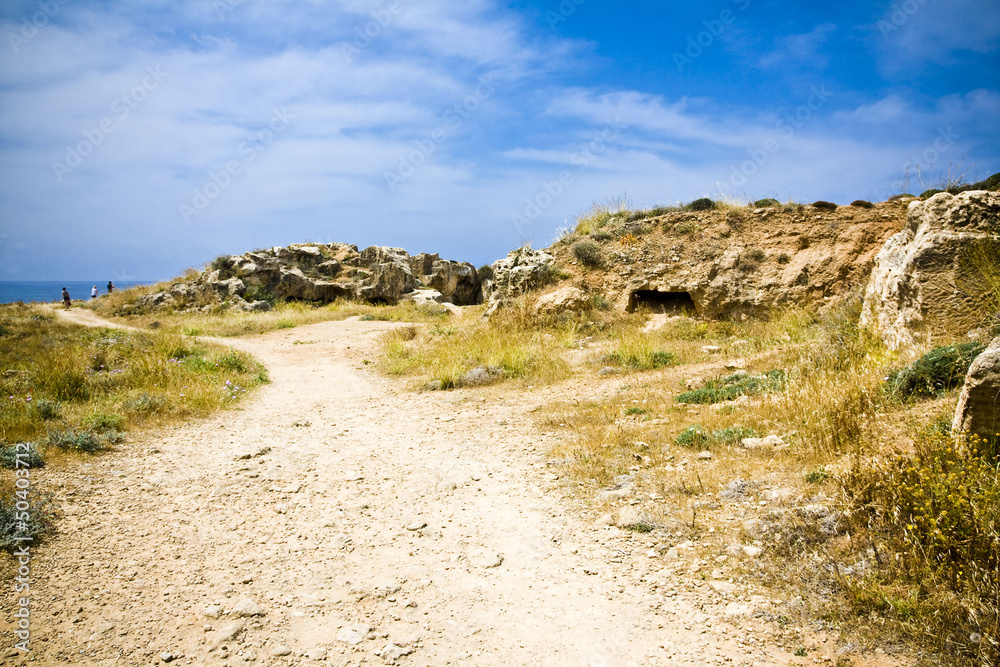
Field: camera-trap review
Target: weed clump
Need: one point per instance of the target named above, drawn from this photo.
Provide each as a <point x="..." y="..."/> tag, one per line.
<point x="79" y="441"/>
<point x="767" y="202"/>
<point x="31" y="524"/>
<point x="940" y="370"/>
<point x="23" y="455"/>
<point x="734" y="386"/>
<point x="824" y="205"/>
<point x="861" y="203"/>
<point x="933" y="518"/>
<point x="695" y="436"/>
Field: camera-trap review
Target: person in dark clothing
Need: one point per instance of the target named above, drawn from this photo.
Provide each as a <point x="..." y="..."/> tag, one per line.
<point x="66" y="299"/>
<point x="111" y="287"/>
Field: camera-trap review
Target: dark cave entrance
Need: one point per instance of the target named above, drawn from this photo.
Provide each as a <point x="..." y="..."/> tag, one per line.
<point x="671" y="303"/>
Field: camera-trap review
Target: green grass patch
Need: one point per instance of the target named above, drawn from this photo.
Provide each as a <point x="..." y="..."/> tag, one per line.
<point x="940" y="370"/>
<point x="734" y="386"/>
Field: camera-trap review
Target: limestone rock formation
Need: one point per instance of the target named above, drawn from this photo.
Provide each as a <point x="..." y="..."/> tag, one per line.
<point x="920" y="285"/>
<point x="731" y="263"/>
<point x="319" y="272"/>
<point x="565" y="298"/>
<point x="978" y="409"/>
<point x="521" y="271"/>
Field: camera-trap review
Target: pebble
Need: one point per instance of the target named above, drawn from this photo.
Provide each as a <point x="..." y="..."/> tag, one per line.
<point x="281" y="650"/>
<point x="318" y="653"/>
<point x="246" y="607"/>
<point x="166" y="656"/>
<point x="705" y="456"/>
<point x="354" y="634"/>
<point x="393" y="652"/>
<point x="416" y="525"/>
<point x="752" y="552"/>
<point x="213" y="611"/>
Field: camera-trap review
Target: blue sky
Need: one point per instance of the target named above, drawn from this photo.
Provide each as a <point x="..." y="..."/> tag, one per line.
<point x="140" y="138"/>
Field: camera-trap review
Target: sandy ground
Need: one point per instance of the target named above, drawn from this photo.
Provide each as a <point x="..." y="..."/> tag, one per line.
<point x="338" y="518"/>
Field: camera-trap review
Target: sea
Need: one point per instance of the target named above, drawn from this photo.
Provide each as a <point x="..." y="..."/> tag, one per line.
<point x="49" y="290"/>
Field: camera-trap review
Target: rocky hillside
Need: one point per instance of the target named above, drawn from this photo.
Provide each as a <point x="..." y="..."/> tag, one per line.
<point x="716" y="262"/>
<point x="319" y="273"/>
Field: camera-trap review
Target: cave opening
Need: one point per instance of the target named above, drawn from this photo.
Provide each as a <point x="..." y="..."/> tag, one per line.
<point x="671" y="303"/>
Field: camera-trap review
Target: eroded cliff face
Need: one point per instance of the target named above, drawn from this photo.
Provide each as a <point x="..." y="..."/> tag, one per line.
<point x="927" y="280"/>
<point x="739" y="262"/>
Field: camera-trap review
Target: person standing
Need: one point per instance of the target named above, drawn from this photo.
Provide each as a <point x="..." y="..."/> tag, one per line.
<point x="66" y="299"/>
<point x="93" y="293"/>
<point x="111" y="287"/>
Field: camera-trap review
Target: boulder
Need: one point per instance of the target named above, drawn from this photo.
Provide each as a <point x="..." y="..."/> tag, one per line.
<point x="522" y="270"/>
<point x="919" y="288"/>
<point x="978" y="410"/>
<point x="566" y="298"/>
<point x="458" y="282"/>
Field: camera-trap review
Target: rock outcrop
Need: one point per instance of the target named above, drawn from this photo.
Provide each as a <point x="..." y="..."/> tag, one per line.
<point x="978" y="409"/>
<point x="320" y="273"/>
<point x="722" y="263"/>
<point x="923" y="284"/>
<point x="521" y="271"/>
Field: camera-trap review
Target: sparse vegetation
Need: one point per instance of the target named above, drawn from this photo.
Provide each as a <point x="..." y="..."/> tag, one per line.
<point x="940" y="370"/>
<point x="589" y="253"/>
<point x="703" y="204"/>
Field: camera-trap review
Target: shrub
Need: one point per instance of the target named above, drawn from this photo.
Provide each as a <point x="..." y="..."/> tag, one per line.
<point x="767" y="202"/>
<point x="703" y="204"/>
<point x="824" y="205"/>
<point x="222" y="265"/>
<point x="601" y="236"/>
<point x="259" y="293"/>
<point x="145" y="403"/>
<point x="733" y="435"/>
<point x="80" y="441"/>
<point x="933" y="518"/>
<point x="861" y="203"/>
<point x="100" y="421"/>
<point x="32" y="523"/>
<point x="817" y="476"/>
<point x="930" y="193"/>
<point x="750" y="260"/>
<point x="688" y="227"/>
<point x="485" y="272"/>
<point x="694" y="436"/>
<point x="940" y="370"/>
<point x="588" y="252"/>
<point x="784" y="258"/>
<point x="29" y="456"/>
<point x="734" y="386"/>
<point x="48" y="409"/>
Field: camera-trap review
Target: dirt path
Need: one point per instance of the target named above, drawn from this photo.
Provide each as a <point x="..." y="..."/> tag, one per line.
<point x="336" y="518"/>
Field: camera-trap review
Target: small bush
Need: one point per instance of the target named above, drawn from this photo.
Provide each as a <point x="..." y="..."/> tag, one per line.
<point x="767" y="202"/>
<point x="32" y="523"/>
<point x="824" y="205"/>
<point x="940" y="370"/>
<point x="259" y="293"/>
<point x="145" y="403"/>
<point x="750" y="260"/>
<point x="734" y="386"/>
<point x="938" y="512"/>
<point x="235" y="361"/>
<point x="26" y="453"/>
<point x="79" y="441"/>
<point x="688" y="227"/>
<point x="817" y="476"/>
<point x="694" y="436"/>
<point x="601" y="236"/>
<point x="861" y="203"/>
<point x="640" y="527"/>
<point x="733" y="435"/>
<point x="485" y="272"/>
<point x="703" y="204"/>
<point x="784" y="258"/>
<point x="930" y="193"/>
<point x="221" y="264"/>
<point x="100" y="422"/>
<point x="589" y="253"/>
<point x="48" y="409"/>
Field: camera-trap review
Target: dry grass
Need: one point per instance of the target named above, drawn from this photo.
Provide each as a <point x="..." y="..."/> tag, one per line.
<point x="511" y="342"/>
<point x="285" y="315"/>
